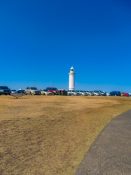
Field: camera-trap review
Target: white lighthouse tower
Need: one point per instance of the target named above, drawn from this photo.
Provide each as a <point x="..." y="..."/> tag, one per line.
<point x="72" y="79"/>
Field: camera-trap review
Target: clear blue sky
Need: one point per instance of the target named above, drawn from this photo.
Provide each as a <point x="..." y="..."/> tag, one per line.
<point x="41" y="39"/>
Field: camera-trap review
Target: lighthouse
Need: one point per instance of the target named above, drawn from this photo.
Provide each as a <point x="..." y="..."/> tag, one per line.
<point x="72" y="79"/>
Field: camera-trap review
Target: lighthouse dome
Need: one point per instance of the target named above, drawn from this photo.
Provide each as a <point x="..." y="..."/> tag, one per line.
<point x="72" y="68"/>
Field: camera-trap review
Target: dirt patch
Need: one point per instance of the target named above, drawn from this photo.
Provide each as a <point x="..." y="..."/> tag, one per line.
<point x="50" y="135"/>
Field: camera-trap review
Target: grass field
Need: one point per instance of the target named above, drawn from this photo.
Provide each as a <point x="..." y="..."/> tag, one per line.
<point x="49" y="135"/>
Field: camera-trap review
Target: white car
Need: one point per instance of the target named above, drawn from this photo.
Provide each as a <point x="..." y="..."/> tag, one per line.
<point x="88" y="93"/>
<point x="83" y="93"/>
<point x="13" y="91"/>
<point x="32" y="91"/>
<point x="96" y="93"/>
<point x="107" y="94"/>
<point x="72" y="93"/>
<point x="44" y="92"/>
<point x="129" y="93"/>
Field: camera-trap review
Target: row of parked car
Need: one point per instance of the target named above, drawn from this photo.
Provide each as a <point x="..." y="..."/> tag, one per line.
<point x="98" y="93"/>
<point x="4" y="90"/>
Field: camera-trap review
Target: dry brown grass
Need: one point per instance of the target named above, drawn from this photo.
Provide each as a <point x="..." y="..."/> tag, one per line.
<point x="50" y="135"/>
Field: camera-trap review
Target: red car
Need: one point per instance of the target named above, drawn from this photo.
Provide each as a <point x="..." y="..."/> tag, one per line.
<point x="52" y="89"/>
<point x="125" y="94"/>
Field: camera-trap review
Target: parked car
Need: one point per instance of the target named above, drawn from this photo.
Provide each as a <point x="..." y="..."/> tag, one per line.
<point x="4" y="90"/>
<point x="99" y="93"/>
<point x="102" y="93"/>
<point x="83" y="93"/>
<point x="107" y="94"/>
<point x="45" y="92"/>
<point x="13" y="91"/>
<point x="129" y="93"/>
<point x="96" y="93"/>
<point x="32" y="91"/>
<point x="125" y="94"/>
<point x="53" y="90"/>
<point x="78" y="93"/>
<point x="62" y="92"/>
<point x="115" y="93"/>
<point x="92" y="93"/>
<point x="88" y="93"/>
<point x="71" y="93"/>
<point x="20" y="91"/>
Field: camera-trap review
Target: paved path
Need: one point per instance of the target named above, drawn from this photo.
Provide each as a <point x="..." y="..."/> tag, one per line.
<point x="111" y="152"/>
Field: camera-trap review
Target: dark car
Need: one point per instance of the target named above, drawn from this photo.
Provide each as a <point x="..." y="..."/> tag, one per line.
<point x="4" y="90"/>
<point x="62" y="92"/>
<point x="20" y="91"/>
<point x="115" y="93"/>
<point x="102" y="93"/>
